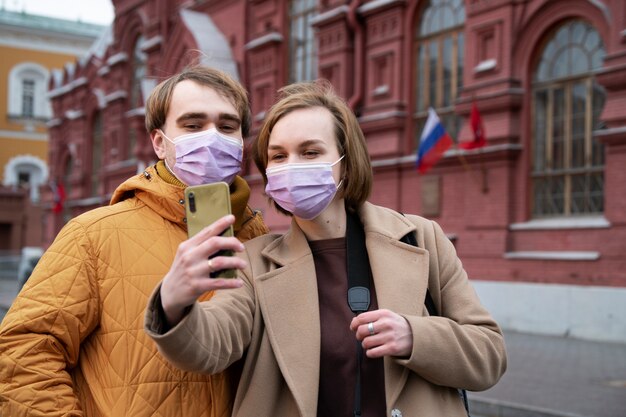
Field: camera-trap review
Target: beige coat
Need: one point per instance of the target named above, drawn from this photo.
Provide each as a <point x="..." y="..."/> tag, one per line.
<point x="274" y="319"/>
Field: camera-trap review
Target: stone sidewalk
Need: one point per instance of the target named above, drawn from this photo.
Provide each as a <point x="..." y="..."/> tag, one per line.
<point x="546" y="377"/>
<point x="555" y="376"/>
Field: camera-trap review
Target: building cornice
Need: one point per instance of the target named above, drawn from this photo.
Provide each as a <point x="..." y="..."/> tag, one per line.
<point x="116" y="95"/>
<point x="117" y="58"/>
<point x="67" y="87"/>
<point x="73" y="114"/>
<point x="152" y="43"/>
<point x="378" y="5"/>
<point x="329" y="16"/>
<point x="273" y="37"/>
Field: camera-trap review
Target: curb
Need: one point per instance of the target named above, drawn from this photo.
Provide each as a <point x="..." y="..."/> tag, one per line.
<point x="486" y="407"/>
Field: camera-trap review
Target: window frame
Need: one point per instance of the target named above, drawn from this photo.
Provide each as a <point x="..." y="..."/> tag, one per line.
<point x="566" y="173"/>
<point x="304" y="67"/>
<point x="419" y="115"/>
<point x="41" y="109"/>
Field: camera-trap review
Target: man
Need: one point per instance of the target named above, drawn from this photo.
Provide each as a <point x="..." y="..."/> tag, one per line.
<point x="73" y="344"/>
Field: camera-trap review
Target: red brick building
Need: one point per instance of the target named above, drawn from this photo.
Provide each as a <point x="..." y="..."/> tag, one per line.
<point x="544" y="202"/>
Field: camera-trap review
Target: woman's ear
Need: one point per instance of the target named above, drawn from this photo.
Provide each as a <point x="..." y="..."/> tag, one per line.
<point x="158" y="143"/>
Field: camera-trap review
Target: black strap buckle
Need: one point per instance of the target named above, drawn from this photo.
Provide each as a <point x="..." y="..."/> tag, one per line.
<point x="358" y="299"/>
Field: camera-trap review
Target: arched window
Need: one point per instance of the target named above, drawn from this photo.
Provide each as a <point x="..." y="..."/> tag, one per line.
<point x="302" y="49"/>
<point x="96" y="152"/>
<point x="26" y="171"/>
<point x="28" y="84"/>
<point x="138" y="72"/>
<point x="568" y="163"/>
<point x="439" y="46"/>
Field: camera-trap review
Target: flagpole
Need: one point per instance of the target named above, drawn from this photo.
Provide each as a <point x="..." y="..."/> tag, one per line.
<point x="460" y="153"/>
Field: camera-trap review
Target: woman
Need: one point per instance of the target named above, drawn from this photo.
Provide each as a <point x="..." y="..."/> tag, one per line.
<point x="287" y="312"/>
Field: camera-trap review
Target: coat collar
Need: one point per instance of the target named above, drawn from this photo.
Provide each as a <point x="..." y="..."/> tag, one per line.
<point x="288" y="297"/>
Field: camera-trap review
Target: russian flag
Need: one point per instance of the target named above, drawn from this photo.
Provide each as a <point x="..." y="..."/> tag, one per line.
<point x="433" y="142"/>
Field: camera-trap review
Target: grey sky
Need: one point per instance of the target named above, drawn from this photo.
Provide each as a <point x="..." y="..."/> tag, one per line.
<point x="92" y="11"/>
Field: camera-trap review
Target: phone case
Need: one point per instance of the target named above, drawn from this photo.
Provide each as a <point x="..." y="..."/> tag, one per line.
<point x="204" y="204"/>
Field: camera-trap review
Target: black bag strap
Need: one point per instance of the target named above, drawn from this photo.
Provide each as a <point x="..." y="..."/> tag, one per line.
<point x="358" y="262"/>
<point x="359" y="276"/>
<point x="410" y="239"/>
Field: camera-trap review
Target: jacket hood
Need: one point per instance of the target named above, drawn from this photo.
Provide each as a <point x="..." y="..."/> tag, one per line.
<point x="165" y="199"/>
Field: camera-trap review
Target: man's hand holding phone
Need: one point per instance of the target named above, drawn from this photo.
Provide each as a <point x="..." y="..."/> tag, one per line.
<point x="189" y="275"/>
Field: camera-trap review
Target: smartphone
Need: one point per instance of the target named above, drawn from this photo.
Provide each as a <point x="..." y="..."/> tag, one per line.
<point x="204" y="204"/>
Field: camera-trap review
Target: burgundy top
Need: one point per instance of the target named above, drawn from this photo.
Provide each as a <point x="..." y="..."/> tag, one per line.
<point x="338" y="358"/>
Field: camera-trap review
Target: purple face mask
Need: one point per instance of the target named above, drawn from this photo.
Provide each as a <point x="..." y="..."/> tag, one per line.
<point x="206" y="157"/>
<point x="304" y="190"/>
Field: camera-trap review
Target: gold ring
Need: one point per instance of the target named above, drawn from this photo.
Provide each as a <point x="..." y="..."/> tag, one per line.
<point x="210" y="266"/>
<point x="370" y="327"/>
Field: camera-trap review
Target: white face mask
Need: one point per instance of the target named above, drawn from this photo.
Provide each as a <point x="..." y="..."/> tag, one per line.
<point x="206" y="157"/>
<point x="304" y="190"/>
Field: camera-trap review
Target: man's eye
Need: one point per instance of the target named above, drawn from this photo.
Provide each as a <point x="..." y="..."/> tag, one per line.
<point x="192" y="126"/>
<point x="228" y="128"/>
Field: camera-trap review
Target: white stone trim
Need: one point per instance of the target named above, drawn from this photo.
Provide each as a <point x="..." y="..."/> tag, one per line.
<point x="264" y="40"/>
<point x="16" y="134"/>
<point x="104" y="70"/>
<point x="139" y="111"/>
<point x="151" y="43"/>
<point x="116" y="95"/>
<point x="554" y="255"/>
<point x="74" y="114"/>
<point x="486" y="65"/>
<point x="54" y="122"/>
<point x="117" y="58"/>
<point x="377" y="4"/>
<point x="37" y="40"/>
<point x="79" y="82"/>
<point x="448" y="154"/>
<point x="329" y="15"/>
<point x="578" y="222"/>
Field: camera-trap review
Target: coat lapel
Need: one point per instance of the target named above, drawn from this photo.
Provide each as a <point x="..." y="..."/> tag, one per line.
<point x="289" y="303"/>
<point x="400" y="273"/>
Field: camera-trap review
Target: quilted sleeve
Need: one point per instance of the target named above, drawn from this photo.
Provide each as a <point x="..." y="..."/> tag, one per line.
<point x="41" y="334"/>
<point x="464" y="347"/>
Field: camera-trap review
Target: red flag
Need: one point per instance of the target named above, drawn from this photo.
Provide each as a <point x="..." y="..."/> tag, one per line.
<point x="58" y="197"/>
<point x="476" y="124"/>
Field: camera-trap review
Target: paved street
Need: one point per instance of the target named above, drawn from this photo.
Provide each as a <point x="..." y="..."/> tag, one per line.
<point x="546" y="377"/>
<point x="556" y="376"/>
<point x="8" y="290"/>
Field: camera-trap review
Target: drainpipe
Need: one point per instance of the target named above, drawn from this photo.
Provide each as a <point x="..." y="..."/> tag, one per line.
<point x="357" y="30"/>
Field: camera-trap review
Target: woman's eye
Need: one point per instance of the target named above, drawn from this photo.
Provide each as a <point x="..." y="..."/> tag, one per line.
<point x="277" y="157"/>
<point x="311" y="154"/>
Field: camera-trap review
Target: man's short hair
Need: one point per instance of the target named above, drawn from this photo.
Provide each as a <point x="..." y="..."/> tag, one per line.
<point x="356" y="172"/>
<point x="158" y="103"/>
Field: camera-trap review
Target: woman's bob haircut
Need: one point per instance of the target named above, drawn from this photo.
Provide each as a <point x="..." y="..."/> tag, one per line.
<point x="356" y="166"/>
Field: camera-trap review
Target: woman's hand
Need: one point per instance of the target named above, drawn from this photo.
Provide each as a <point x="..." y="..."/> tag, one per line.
<point x="383" y="333"/>
<point x="189" y="275"/>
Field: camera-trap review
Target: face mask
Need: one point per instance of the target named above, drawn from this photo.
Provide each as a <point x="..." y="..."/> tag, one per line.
<point x="304" y="190"/>
<point x="206" y="157"/>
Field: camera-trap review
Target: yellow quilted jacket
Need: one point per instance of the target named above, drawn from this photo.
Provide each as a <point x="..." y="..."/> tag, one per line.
<point x="73" y="343"/>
